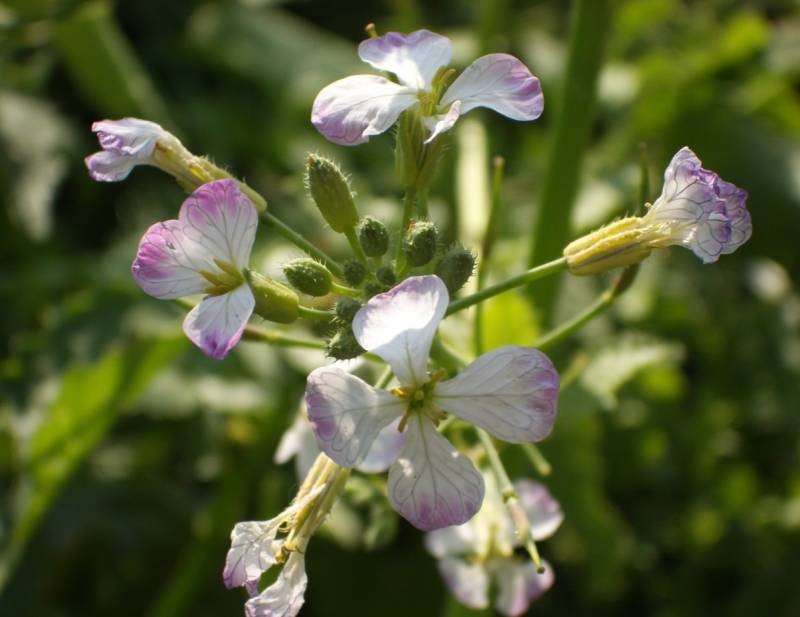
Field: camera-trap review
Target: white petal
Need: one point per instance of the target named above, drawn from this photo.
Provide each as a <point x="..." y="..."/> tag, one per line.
<point x="511" y="392"/>
<point x="351" y="110"/>
<point x="284" y="597"/>
<point x="518" y="584"/>
<point x="253" y="550"/>
<point x="443" y="122"/>
<point x="399" y="325"/>
<point x="431" y="484"/>
<point x="384" y="450"/>
<point x="499" y="82"/>
<point x="216" y="324"/>
<point x="543" y="511"/>
<point x="453" y="541"/>
<point x="107" y="166"/>
<point x="414" y="58"/>
<point x="469" y="583"/>
<point x="347" y="414"/>
<point x="298" y="442"/>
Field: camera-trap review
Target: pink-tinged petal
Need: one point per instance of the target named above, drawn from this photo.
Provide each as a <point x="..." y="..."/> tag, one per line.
<point x="469" y="583"/>
<point x="351" y="110"/>
<point x="216" y="324"/>
<point x="511" y="392"/>
<point x="431" y="484"/>
<point x="168" y="265"/>
<point x="501" y="83"/>
<point x="414" y="58"/>
<point x="221" y="220"/>
<point x="543" y="511"/>
<point x="109" y="167"/>
<point x="454" y="541"/>
<point x="284" y="597"/>
<point x="384" y="450"/>
<point x="253" y="551"/>
<point x="519" y="584"/>
<point x="443" y="122"/>
<point x="399" y="325"/>
<point x="736" y="210"/>
<point x="347" y="414"/>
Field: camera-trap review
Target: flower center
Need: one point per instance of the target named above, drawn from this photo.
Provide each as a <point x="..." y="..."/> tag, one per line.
<point x="226" y="279"/>
<point x="420" y="400"/>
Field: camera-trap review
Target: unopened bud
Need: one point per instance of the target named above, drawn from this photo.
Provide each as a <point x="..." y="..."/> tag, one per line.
<point x="373" y="236"/>
<point x="618" y="244"/>
<point x="455" y="268"/>
<point x="331" y="192"/>
<point x="346" y="308"/>
<point x="419" y="244"/>
<point x="274" y="302"/>
<point x="373" y="289"/>
<point x="344" y="346"/>
<point x="354" y="272"/>
<point x="308" y="276"/>
<point x="386" y="276"/>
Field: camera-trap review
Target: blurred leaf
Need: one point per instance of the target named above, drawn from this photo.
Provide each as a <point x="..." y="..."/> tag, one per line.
<point x="508" y="320"/>
<point x="89" y="401"/>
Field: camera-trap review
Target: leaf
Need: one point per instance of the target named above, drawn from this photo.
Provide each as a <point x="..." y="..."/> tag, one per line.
<point x="508" y="320"/>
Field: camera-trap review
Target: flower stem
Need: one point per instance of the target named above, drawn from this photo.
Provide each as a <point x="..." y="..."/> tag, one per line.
<point x="523" y="278"/>
<point x="279" y="339"/>
<point x="299" y="241"/>
<point x="345" y="291"/>
<point x="540" y="463"/>
<point x="314" y="314"/>
<point x="350" y="234"/>
<point x="510" y="498"/>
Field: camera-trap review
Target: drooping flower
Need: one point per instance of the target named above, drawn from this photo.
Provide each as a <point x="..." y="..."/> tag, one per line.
<point x="351" y="110"/>
<point x="696" y="209"/>
<point x="480" y="551"/>
<point x="511" y="392"/>
<point x="127" y="143"/>
<point x="204" y="251"/>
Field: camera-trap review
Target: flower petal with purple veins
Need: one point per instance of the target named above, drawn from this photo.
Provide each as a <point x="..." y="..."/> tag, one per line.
<point x="384" y="450"/>
<point x="284" y="597"/>
<point x="216" y="324"/>
<point x="414" y="58"/>
<point x="253" y="551"/>
<point x="399" y="325"/>
<point x="469" y="583"/>
<point x="109" y="167"/>
<point x="500" y="82"/>
<point x="453" y="541"/>
<point x="543" y="511"/>
<point x="511" y="392"/>
<point x="431" y="484"/>
<point x="741" y="225"/>
<point x="126" y="143"/>
<point x="444" y="122"/>
<point x="351" y="110"/>
<point x="519" y="584"/>
<point x="347" y="414"/>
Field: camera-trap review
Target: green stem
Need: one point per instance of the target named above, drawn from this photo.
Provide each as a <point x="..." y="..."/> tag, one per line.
<point x="352" y="239"/>
<point x="515" y="281"/>
<point x="345" y="291"/>
<point x="540" y="463"/>
<point x="299" y="241"/>
<point x="422" y="204"/>
<point x="279" y="339"/>
<point x="314" y="314"/>
<point x="384" y="379"/>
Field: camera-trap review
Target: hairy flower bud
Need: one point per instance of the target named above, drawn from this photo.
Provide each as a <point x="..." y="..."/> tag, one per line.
<point x="331" y="192"/>
<point x="354" y="272"/>
<point x="274" y="302"/>
<point x="373" y="236"/>
<point x="344" y="346"/>
<point x="308" y="276"/>
<point x="419" y="244"/>
<point x="346" y="308"/>
<point x="386" y="276"/>
<point x="455" y="268"/>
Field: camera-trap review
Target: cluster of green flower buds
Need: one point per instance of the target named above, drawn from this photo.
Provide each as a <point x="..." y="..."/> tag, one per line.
<point x="373" y="237"/>
<point x="455" y="268"/>
<point x="420" y="243"/>
<point x="308" y="276"/>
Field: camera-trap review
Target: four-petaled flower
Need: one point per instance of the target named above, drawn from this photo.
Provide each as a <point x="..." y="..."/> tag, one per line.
<point x="698" y="210"/>
<point x="351" y="110"/>
<point x="480" y="551"/>
<point x="126" y="143"/>
<point x="511" y="392"/>
<point x="204" y="251"/>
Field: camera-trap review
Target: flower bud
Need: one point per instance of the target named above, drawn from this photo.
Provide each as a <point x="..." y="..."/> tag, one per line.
<point x="419" y="244"/>
<point x="308" y="276"/>
<point x="373" y="289"/>
<point x="386" y="276"/>
<point x="331" y="192"/>
<point x="344" y="346"/>
<point x="455" y="268"/>
<point x="373" y="237"/>
<point x="354" y="272"/>
<point x="346" y="308"/>
<point x="274" y="302"/>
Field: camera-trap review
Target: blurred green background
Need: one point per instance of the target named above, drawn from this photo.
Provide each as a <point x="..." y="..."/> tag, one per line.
<point x="126" y="456"/>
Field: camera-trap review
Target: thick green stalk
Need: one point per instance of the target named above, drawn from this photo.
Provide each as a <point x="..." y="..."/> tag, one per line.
<point x="574" y="117"/>
<point x="299" y="241"/>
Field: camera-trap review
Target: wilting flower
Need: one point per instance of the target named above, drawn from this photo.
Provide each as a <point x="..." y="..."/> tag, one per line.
<point x="204" y="251"/>
<point x="127" y="143"/>
<point x="480" y="551"/>
<point x="511" y="392"/>
<point x="351" y="110"/>
<point x="696" y="209"/>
